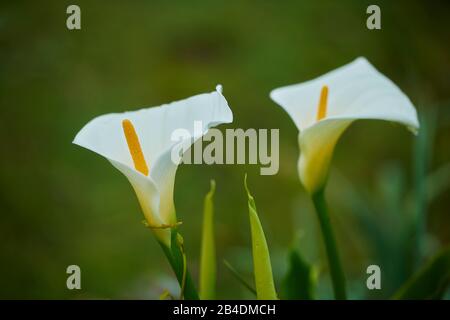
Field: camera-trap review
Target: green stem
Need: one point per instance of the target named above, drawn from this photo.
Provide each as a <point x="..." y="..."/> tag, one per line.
<point x="176" y="259"/>
<point x="337" y="274"/>
<point x="422" y="158"/>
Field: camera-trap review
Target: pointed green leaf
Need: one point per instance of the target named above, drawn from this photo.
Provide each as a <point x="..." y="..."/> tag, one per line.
<point x="208" y="251"/>
<point x="430" y="282"/>
<point x="300" y="279"/>
<point x="265" y="288"/>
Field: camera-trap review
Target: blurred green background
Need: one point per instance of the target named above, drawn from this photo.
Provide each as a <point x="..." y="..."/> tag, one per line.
<point x="62" y="205"/>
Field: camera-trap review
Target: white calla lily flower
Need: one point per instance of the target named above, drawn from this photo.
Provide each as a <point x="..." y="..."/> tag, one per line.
<point x="324" y="107"/>
<point x="139" y="144"/>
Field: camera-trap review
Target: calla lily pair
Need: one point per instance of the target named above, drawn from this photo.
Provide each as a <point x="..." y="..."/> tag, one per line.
<point x="324" y="107"/>
<point x="139" y="144"/>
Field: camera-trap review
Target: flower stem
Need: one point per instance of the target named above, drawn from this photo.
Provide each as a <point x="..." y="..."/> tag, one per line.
<point x="337" y="274"/>
<point x="177" y="260"/>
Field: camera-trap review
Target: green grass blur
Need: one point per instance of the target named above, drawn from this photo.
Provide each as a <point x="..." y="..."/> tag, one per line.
<point x="61" y="205"/>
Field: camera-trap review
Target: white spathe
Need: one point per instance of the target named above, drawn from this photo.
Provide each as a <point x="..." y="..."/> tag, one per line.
<point x="154" y="126"/>
<point x="356" y="91"/>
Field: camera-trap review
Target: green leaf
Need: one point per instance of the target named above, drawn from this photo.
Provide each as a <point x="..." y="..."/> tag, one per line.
<point x="431" y="281"/>
<point x="265" y="288"/>
<point x="239" y="277"/>
<point x="208" y="250"/>
<point x="299" y="281"/>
